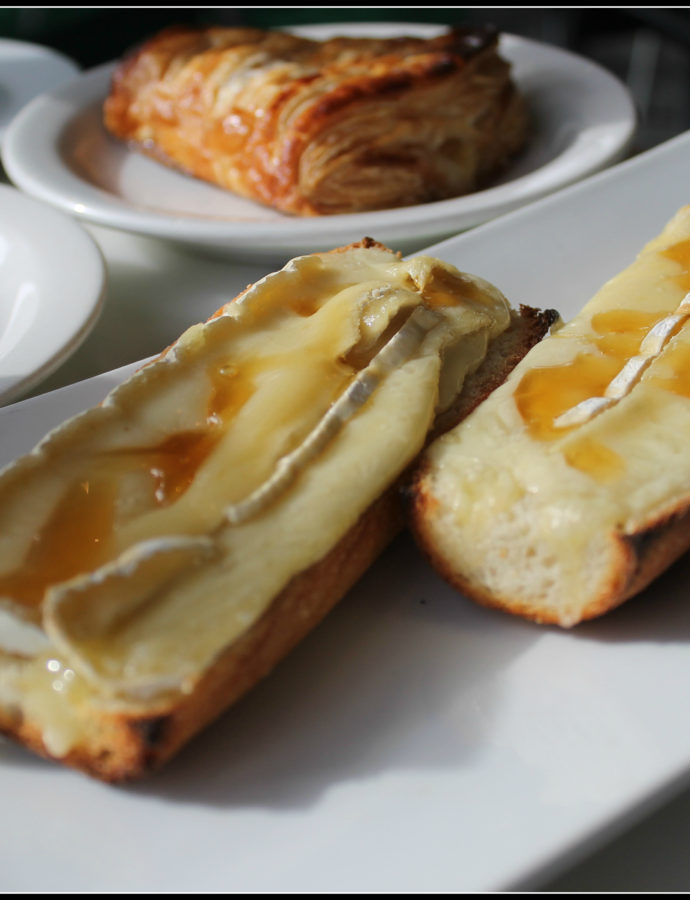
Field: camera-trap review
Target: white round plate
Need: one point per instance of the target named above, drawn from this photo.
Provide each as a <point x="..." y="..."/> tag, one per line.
<point x="52" y="279"/>
<point x="58" y="150"/>
<point x="27" y="70"/>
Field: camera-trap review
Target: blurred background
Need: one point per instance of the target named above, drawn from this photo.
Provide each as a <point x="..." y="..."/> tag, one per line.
<point x="648" y="49"/>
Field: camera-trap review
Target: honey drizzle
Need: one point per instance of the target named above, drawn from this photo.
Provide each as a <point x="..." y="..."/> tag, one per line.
<point x="174" y="462"/>
<point x="75" y="538"/>
<point x="546" y="393"/>
<point x="446" y="288"/>
<point x="634" y="368"/>
<point x="594" y="458"/>
<point x="680" y="253"/>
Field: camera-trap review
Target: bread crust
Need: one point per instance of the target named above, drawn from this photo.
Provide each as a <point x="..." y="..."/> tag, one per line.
<point x="637" y="558"/>
<point x="311" y="128"/>
<point x="125" y="745"/>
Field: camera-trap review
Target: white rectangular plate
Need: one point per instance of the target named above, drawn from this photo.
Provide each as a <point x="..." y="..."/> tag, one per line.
<point x="414" y="742"/>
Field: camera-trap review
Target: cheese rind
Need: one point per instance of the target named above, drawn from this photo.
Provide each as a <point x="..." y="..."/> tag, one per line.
<point x="122" y="549"/>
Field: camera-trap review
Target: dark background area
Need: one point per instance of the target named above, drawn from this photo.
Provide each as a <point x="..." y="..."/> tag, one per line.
<point x="648" y="49"/>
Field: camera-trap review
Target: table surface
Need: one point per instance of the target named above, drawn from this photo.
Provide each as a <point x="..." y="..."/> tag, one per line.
<point x="155" y="291"/>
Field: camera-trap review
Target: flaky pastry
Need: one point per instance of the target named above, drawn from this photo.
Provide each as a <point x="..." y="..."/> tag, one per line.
<point x="322" y="127"/>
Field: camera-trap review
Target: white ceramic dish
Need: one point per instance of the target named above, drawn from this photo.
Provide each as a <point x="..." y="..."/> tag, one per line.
<point x="27" y="70"/>
<point x="414" y="742"/>
<point x="58" y="151"/>
<point x="52" y="279"/>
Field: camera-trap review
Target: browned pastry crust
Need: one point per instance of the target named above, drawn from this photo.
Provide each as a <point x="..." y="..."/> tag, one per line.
<point x="317" y="128"/>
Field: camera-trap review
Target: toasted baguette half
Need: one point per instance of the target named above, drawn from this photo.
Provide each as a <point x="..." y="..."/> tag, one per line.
<point x="568" y="491"/>
<point x="160" y="553"/>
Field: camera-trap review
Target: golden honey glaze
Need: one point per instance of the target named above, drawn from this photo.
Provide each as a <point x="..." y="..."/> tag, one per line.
<point x="680" y="253"/>
<point x="545" y="393"/>
<point x="76" y="537"/>
<point x="594" y="458"/>
<point x="446" y="289"/>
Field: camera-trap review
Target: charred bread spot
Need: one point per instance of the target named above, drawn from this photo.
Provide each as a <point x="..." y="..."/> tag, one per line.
<point x="657" y="546"/>
<point x="366" y="243"/>
<point x="407" y="493"/>
<point x="641" y="542"/>
<point x="151" y="732"/>
<point x="546" y="317"/>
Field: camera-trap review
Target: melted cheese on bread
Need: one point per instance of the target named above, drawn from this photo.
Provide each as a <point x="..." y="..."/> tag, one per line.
<point x="123" y="574"/>
<point x="536" y="490"/>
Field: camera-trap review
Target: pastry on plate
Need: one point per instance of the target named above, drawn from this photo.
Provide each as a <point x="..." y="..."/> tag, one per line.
<point x="322" y="127"/>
